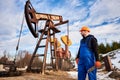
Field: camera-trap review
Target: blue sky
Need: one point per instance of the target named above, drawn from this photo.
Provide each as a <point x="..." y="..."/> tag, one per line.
<point x="102" y="16"/>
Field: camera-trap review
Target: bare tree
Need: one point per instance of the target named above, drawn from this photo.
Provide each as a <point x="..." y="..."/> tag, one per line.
<point x="24" y="57"/>
<point x="4" y="58"/>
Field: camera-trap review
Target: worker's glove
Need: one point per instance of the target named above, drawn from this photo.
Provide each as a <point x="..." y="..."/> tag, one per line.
<point x="77" y="59"/>
<point x="97" y="64"/>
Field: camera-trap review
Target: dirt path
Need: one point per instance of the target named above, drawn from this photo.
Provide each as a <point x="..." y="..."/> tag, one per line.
<point x="49" y="75"/>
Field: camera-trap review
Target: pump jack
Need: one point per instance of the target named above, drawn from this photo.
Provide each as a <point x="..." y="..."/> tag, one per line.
<point x="49" y="31"/>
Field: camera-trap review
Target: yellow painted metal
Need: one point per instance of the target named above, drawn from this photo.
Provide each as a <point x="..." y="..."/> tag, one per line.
<point x="56" y="41"/>
<point x="66" y="41"/>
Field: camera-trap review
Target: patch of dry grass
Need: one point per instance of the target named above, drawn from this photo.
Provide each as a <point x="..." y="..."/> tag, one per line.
<point x="49" y="75"/>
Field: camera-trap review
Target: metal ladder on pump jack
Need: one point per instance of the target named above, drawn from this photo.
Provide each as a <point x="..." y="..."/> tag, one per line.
<point x="52" y="31"/>
<point x="53" y="48"/>
<point x="48" y="32"/>
<point x="32" y="18"/>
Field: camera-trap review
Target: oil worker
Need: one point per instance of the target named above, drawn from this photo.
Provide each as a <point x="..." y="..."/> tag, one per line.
<point x="87" y="55"/>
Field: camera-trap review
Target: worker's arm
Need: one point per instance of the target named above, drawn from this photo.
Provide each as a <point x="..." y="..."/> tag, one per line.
<point x="78" y="54"/>
<point x="95" y="48"/>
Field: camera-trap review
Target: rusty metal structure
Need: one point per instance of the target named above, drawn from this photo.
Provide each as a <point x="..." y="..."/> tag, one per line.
<point x="8" y="68"/>
<point x="46" y="34"/>
<point x="108" y="64"/>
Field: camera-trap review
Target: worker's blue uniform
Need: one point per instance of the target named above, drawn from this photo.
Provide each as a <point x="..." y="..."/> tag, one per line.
<point x="86" y="61"/>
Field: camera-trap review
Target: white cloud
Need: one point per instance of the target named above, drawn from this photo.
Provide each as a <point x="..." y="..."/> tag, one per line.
<point x="104" y="10"/>
<point x="109" y="32"/>
<point x="11" y="19"/>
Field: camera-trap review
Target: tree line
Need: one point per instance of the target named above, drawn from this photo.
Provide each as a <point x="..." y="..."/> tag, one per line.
<point x="23" y="57"/>
<point x="104" y="48"/>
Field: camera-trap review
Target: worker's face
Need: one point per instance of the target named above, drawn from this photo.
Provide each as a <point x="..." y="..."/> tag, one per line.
<point x="84" y="33"/>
